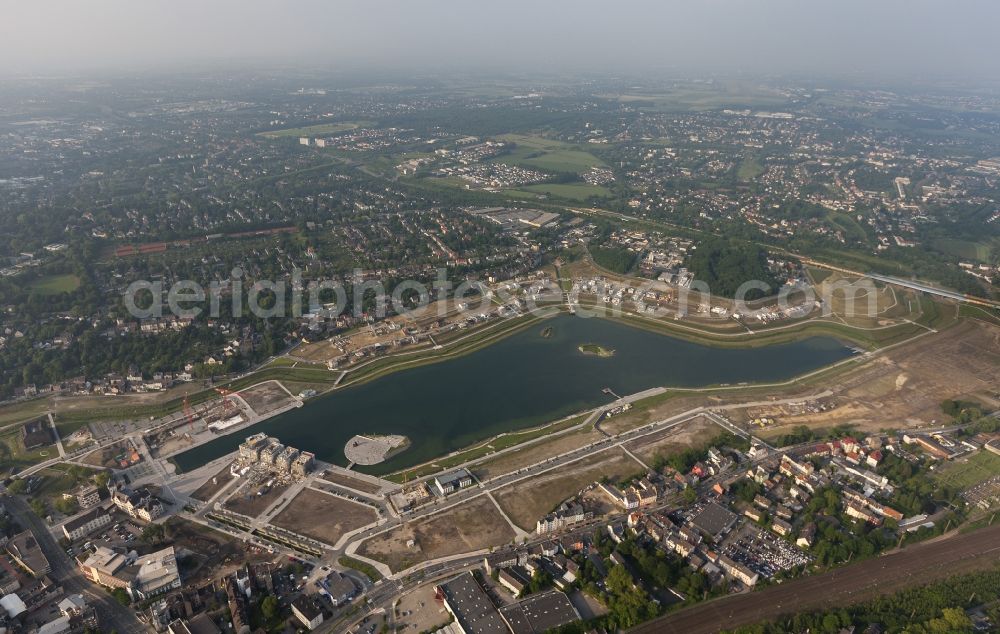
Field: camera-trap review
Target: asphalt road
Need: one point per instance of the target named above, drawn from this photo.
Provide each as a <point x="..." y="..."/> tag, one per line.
<point x="111" y="614"/>
<point x="851" y="584"/>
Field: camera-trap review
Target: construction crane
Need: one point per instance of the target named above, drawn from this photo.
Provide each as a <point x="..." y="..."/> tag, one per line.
<point x="188" y="414"/>
<point x="228" y="403"/>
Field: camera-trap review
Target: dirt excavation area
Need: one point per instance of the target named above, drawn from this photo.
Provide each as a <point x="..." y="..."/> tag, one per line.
<point x="535" y="452"/>
<point x="266" y="397"/>
<point x="525" y="502"/>
<point x="324" y="517"/>
<point x="251" y="500"/>
<point x="691" y="433"/>
<point x="902" y="388"/>
<point x="467" y="527"/>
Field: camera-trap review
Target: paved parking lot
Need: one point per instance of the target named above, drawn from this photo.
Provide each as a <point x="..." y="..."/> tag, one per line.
<point x="417" y="611"/>
<point x="763" y="552"/>
<point x="125" y="536"/>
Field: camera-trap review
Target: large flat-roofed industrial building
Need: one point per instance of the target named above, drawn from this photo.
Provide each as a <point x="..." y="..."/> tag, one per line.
<point x="714" y="520"/>
<point x="474" y="613"/>
<point x="538" y="613"/>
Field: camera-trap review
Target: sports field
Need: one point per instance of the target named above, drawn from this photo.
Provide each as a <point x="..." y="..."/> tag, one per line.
<point x="55" y="284"/>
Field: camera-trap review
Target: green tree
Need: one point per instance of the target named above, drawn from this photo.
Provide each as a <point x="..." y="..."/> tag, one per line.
<point x="269" y="607"/>
<point x="121" y="596"/>
<point x="17" y="487"/>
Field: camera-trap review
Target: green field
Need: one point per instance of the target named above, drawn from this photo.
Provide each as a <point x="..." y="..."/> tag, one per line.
<point x="964" y="473"/>
<point x="749" y="169"/>
<point x="484" y="449"/>
<point x="705" y="96"/>
<point x="14" y="456"/>
<point x="571" y="191"/>
<point x="853" y="232"/>
<point x="980" y="312"/>
<point x="595" y="350"/>
<point x="547" y="154"/>
<point x="55" y="284"/>
<point x="978" y="251"/>
<point x="313" y="130"/>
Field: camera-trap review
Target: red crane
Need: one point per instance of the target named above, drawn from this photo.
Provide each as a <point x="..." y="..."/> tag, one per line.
<point x="227" y="399"/>
<point x="188" y="414"/>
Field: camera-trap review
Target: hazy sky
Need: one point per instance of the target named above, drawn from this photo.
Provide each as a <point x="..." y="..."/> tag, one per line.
<point x="913" y="37"/>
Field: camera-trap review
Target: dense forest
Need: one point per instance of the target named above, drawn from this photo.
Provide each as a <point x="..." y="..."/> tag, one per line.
<point x="615" y="259"/>
<point x="725" y="265"/>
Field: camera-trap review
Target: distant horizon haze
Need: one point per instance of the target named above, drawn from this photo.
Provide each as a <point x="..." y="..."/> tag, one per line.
<point x="892" y="38"/>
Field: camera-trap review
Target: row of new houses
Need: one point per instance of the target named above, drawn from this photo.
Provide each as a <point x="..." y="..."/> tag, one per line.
<point x="268" y="452"/>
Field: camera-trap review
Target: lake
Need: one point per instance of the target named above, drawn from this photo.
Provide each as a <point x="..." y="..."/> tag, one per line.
<point x="522" y="381"/>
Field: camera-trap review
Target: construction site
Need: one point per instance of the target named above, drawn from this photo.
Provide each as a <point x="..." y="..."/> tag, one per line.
<point x="264" y="455"/>
<point x="179" y="432"/>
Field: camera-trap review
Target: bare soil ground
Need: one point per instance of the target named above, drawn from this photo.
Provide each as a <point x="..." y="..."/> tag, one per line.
<point x="422" y="612"/>
<point x="207" y="490"/>
<point x="353" y="483"/>
<point x="692" y="433"/>
<point x="106" y="457"/>
<point x="266" y="397"/>
<point x="470" y="526"/>
<point x="214" y="554"/>
<point x="639" y="416"/>
<point x="859" y="307"/>
<point x="534" y="453"/>
<point x="526" y="501"/>
<point x="323" y="517"/>
<point x="905" y="386"/>
<point x="247" y="502"/>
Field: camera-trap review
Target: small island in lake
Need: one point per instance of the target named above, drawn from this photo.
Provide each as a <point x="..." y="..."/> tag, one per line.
<point x="595" y="350"/>
<point x="547" y="332"/>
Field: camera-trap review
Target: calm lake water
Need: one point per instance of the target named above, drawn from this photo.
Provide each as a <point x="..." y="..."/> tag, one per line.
<point x="521" y="381"/>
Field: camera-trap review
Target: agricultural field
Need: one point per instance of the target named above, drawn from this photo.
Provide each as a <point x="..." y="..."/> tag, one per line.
<point x="526" y="501"/>
<point x="55" y="284"/>
<point x="323" y="517"/>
